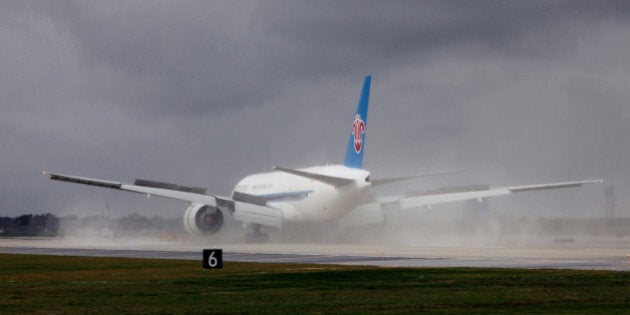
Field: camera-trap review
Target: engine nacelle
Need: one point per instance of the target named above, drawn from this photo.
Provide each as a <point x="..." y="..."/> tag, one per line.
<point x="201" y="219"/>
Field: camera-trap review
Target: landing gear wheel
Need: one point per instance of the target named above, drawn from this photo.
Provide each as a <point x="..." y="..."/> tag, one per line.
<point x="256" y="236"/>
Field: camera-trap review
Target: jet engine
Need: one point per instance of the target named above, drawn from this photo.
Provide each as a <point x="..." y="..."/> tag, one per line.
<point x="201" y="219"/>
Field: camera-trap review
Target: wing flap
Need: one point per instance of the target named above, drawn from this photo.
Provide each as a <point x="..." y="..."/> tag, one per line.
<point x="169" y="186"/>
<point x="171" y="194"/>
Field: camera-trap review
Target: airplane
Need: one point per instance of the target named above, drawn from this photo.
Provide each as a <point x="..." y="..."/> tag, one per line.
<point x="340" y="194"/>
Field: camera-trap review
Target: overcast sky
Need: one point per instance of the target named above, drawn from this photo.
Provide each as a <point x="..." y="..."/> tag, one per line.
<point x="205" y="92"/>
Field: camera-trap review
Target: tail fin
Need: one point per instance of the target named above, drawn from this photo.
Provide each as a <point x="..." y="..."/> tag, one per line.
<point x="356" y="143"/>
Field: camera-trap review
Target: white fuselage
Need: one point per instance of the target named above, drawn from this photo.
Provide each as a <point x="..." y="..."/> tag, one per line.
<point x="304" y="199"/>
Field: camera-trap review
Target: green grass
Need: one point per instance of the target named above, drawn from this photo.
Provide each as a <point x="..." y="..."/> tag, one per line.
<point x="57" y="285"/>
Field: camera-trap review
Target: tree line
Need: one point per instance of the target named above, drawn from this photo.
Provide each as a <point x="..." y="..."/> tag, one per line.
<point x="30" y="225"/>
<point x="51" y="225"/>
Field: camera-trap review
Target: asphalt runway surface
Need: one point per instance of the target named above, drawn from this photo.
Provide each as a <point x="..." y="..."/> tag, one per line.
<point x="613" y="258"/>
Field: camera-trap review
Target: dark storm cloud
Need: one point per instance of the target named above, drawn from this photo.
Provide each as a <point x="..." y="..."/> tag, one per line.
<point x="171" y="58"/>
<point x="205" y="56"/>
<point x="386" y="33"/>
<point x="205" y="92"/>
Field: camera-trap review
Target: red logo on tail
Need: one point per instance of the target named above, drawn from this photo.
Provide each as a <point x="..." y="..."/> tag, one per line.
<point x="358" y="129"/>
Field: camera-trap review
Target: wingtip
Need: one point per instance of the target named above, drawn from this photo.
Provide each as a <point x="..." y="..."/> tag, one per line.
<point x="596" y="181"/>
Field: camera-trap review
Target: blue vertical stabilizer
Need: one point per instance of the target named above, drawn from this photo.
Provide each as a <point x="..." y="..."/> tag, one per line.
<point x="356" y="143"/>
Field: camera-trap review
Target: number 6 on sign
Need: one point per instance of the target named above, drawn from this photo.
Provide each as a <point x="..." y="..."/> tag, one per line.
<point x="212" y="259"/>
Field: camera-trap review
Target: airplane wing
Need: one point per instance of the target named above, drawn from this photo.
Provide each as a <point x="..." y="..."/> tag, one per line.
<point x="243" y="207"/>
<point x="149" y="188"/>
<point x="429" y="198"/>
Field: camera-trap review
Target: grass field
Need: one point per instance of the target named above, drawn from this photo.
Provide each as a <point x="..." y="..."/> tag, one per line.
<point x="55" y="285"/>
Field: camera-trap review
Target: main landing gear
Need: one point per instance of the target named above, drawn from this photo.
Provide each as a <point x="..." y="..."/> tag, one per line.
<point x="254" y="235"/>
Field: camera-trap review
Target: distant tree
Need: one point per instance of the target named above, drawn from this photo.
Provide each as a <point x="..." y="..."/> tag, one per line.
<point x="23" y="220"/>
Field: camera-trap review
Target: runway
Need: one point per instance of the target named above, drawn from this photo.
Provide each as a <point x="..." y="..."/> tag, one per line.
<point x="335" y="253"/>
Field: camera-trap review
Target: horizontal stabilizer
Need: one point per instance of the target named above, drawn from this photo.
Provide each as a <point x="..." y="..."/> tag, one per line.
<point x="383" y="181"/>
<point x="331" y="180"/>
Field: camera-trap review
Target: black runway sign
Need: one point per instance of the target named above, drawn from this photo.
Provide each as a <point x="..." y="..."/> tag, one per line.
<point x="212" y="259"/>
